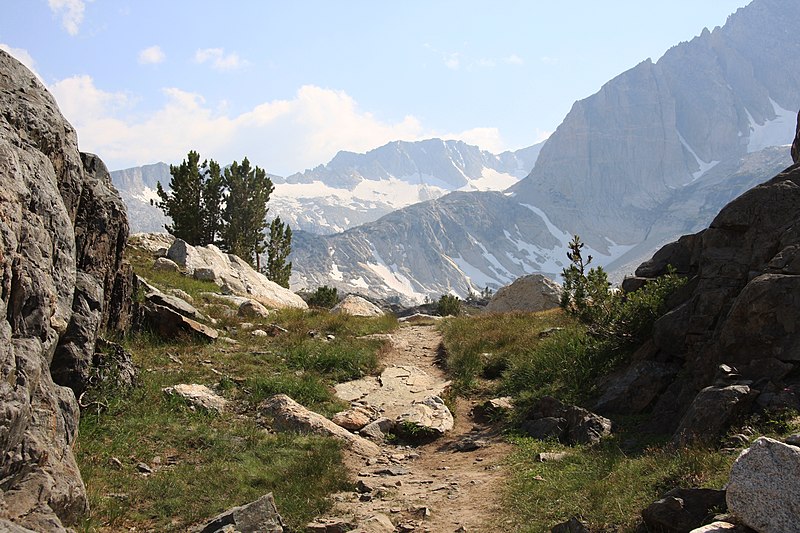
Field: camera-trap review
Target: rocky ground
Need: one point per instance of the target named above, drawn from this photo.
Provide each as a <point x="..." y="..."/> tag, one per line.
<point x="433" y="487"/>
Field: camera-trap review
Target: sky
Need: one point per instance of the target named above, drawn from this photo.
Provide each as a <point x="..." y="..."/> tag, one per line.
<point x="289" y="84"/>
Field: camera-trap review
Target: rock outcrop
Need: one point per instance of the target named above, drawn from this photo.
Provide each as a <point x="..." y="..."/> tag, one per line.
<point x="356" y="306"/>
<point x="232" y="273"/>
<point x="529" y="293"/>
<point x="62" y="231"/>
<point x="739" y="308"/>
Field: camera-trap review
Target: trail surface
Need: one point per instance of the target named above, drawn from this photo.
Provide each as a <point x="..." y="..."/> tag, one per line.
<point x="432" y="487"/>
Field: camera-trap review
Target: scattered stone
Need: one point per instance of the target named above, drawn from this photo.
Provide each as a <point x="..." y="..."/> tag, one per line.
<point x="259" y="333"/>
<point x="493" y="409"/>
<point x="722" y="527"/>
<point x="682" y="510"/>
<point x="198" y="396"/>
<point x="422" y="511"/>
<point x="364" y="487"/>
<point x="468" y="444"/>
<point x="274" y="330"/>
<point x="794" y="440"/>
<point x="116" y="463"/>
<point x="183" y="295"/>
<point x="392" y="471"/>
<point x="260" y="516"/>
<point x="429" y="418"/>
<point x="377" y="523"/>
<point x="407" y="527"/>
<point x="573" y="525"/>
<point x="378" y="429"/>
<point x="330" y="525"/>
<point x="551" y="457"/>
<point x="365" y="498"/>
<point x="144" y="468"/>
<point x="356" y="306"/>
<point x="353" y="419"/>
<point x="151" y="242"/>
<point x="162" y="264"/>
<point x="252" y="309"/>
<point x="764" y="487"/>
<point x="531" y="293"/>
<point x="290" y="415"/>
<point x="176" y="304"/>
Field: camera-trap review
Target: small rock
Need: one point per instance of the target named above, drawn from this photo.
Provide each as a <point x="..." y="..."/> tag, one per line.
<point x="162" y="264"/>
<point x="377" y="429"/>
<point x="275" y="330"/>
<point x="421" y="511"/>
<point x="144" y="468"/>
<point x="260" y="515"/>
<point x="551" y="457"/>
<point x="468" y="444"/>
<point x="116" y="463"/>
<point x="198" y="396"/>
<point x="493" y="409"/>
<point x="365" y="498"/>
<point x="364" y="487"/>
<point x="259" y="333"/>
<point x="573" y="525"/>
<point x="392" y="471"/>
<point x="252" y="309"/>
<point x="330" y="525"/>
<point x="794" y="440"/>
<point x="352" y="419"/>
<point x="721" y="527"/>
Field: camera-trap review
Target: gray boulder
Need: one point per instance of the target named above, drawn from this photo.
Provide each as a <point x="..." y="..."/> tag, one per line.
<point x="356" y="306"/>
<point x="683" y="510"/>
<point x="427" y="418"/>
<point x="531" y="293"/>
<point x="764" y="487"/>
<point x="569" y="424"/>
<point x="198" y="396"/>
<point x="260" y="516"/>
<point x="712" y="411"/>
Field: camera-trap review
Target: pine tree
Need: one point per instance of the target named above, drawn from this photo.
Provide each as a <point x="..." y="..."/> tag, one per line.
<point x="244" y="215"/>
<point x="193" y="202"/>
<point x="278" y="249"/>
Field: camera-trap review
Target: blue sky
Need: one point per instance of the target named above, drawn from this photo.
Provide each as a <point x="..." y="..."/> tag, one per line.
<point x="288" y="84"/>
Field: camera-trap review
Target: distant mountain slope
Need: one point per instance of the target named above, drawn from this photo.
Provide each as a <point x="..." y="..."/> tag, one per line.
<point x="357" y="188"/>
<point x="660" y="126"/>
<point x="654" y="154"/>
<point x="354" y="188"/>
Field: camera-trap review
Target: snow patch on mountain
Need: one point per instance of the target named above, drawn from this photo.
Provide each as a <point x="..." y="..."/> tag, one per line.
<point x="703" y="165"/>
<point x="773" y="132"/>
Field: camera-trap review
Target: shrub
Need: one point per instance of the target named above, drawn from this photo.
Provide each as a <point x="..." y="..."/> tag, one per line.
<point x="449" y="305"/>
<point x="325" y="297"/>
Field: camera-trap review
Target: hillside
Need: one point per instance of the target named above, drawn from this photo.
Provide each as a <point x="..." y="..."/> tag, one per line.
<point x="655" y="153"/>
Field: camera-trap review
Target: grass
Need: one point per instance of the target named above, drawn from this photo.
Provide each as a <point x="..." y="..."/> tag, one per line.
<point x="608" y="485"/>
<point x="205" y="463"/>
<point x="603" y="485"/>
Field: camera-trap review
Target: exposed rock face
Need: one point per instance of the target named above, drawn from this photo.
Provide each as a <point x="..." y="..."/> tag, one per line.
<point x="62" y="231"/>
<point x="529" y="293"/>
<point x="231" y="273"/>
<point x="260" y="516"/>
<point x="288" y="415"/>
<point x="569" y="424"/>
<point x="741" y="304"/>
<point x="764" y="489"/>
<point x="356" y="306"/>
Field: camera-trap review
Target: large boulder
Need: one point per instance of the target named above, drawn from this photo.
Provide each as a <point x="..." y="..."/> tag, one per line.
<point x="683" y="510"/>
<point x="233" y="274"/>
<point x="62" y="280"/>
<point x="356" y="306"/>
<point x="534" y="292"/>
<point x="740" y="306"/>
<point x="570" y="424"/>
<point x="764" y="488"/>
<point x="260" y="516"/>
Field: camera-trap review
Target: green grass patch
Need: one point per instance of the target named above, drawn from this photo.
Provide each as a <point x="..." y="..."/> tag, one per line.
<point x="481" y="347"/>
<point x="603" y="485"/>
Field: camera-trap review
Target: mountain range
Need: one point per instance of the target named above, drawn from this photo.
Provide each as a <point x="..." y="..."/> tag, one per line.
<point x="652" y="155"/>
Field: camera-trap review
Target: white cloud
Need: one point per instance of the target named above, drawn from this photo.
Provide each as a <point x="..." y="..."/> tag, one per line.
<point x="219" y="59"/>
<point x="486" y="138"/>
<point x="549" y="60"/>
<point x="452" y="61"/>
<point x="21" y="55"/>
<point x="152" y="55"/>
<point x="71" y="12"/>
<point x="514" y="59"/>
<point x="283" y="136"/>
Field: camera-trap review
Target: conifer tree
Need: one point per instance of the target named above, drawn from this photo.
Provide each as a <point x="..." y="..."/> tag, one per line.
<point x="193" y="202"/>
<point x="278" y="249"/>
<point x="244" y="215"/>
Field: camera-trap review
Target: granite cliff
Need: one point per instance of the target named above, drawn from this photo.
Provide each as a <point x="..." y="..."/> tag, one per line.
<point x="62" y="231"/>
<point x="731" y="341"/>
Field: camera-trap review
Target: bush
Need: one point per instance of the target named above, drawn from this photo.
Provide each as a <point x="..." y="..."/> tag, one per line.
<point x="448" y="305"/>
<point x="324" y="296"/>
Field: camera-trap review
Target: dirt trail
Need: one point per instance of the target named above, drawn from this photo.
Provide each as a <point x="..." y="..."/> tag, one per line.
<point x="438" y="489"/>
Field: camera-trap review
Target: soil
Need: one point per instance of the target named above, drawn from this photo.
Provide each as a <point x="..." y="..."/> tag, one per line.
<point x="434" y="487"/>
